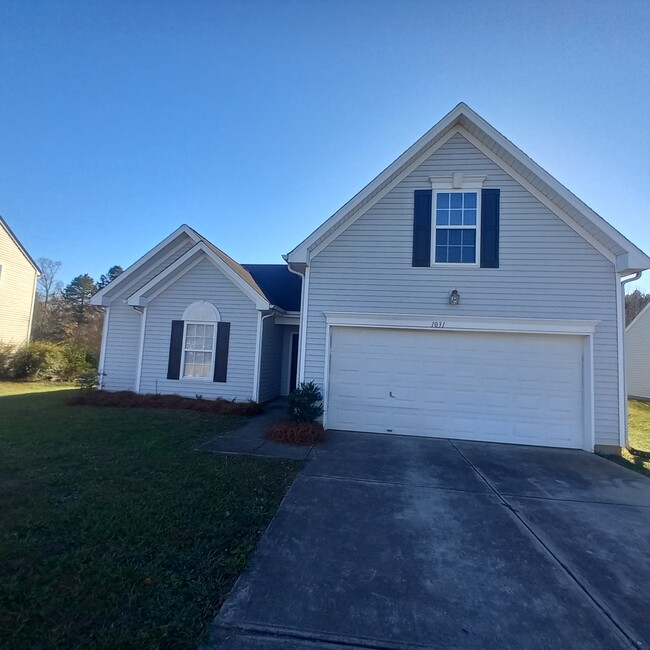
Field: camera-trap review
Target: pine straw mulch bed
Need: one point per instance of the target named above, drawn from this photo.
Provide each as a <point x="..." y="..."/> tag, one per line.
<point x="129" y="399"/>
<point x="297" y="433"/>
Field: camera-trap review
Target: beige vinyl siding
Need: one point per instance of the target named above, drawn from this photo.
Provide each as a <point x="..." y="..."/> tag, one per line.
<point x="271" y="360"/>
<point x="637" y="356"/>
<point x="17" y="291"/>
<point x="546" y="271"/>
<point x="203" y="282"/>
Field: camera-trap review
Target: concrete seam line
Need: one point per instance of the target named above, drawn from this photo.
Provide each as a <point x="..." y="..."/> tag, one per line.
<point x="371" y="481"/>
<point x="599" y="606"/>
<point x="558" y="499"/>
<point x="280" y="633"/>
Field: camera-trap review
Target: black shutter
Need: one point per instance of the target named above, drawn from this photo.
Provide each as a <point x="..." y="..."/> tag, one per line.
<point x="221" y="353"/>
<point x="175" y="350"/>
<point x="490" y="229"/>
<point x="422" y="228"/>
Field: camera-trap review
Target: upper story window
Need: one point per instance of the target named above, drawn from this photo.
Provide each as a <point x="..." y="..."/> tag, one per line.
<point x="455" y="236"/>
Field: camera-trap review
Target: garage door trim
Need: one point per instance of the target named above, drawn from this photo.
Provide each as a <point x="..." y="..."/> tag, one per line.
<point x="442" y="323"/>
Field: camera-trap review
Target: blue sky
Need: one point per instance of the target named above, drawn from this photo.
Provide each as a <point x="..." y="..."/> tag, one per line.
<point x="254" y="121"/>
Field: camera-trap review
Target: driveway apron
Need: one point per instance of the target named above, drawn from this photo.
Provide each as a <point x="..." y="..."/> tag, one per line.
<point x="397" y="542"/>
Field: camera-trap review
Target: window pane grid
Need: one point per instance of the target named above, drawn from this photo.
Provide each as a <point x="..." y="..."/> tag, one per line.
<point x="198" y="350"/>
<point x="456" y="223"/>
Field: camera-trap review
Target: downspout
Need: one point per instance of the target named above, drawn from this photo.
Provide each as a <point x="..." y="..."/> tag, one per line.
<point x="621" y="342"/>
<point x="258" y="363"/>
<point x="302" y="323"/>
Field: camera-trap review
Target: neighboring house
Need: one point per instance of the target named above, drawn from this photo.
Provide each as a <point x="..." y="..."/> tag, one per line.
<point x="464" y="293"/>
<point x="18" y="276"/>
<point x="637" y="355"/>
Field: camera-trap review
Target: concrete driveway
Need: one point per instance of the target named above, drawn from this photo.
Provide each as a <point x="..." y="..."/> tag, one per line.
<point x="394" y="542"/>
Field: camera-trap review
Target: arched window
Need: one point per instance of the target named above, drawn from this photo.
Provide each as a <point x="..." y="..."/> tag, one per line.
<point x="199" y="340"/>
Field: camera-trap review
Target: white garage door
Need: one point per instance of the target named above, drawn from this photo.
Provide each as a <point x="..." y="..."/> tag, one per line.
<point x="518" y="388"/>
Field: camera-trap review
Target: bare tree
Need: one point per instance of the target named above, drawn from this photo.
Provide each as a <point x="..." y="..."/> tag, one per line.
<point x="48" y="285"/>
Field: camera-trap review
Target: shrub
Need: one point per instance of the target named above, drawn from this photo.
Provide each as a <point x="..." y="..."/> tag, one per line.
<point x="6" y="357"/>
<point x="36" y="360"/>
<point x="74" y="363"/>
<point x="305" y="403"/>
<point x="297" y="433"/>
<point x="129" y="399"/>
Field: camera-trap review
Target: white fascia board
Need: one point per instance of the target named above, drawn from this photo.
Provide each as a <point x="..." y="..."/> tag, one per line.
<point x="463" y="323"/>
<point x="100" y="298"/>
<point x="631" y="262"/>
<point x="140" y="297"/>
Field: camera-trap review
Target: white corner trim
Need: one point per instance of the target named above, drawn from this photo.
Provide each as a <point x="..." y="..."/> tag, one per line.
<point x="304" y="316"/>
<point x="31" y="311"/>
<point x="120" y="279"/>
<point x="463" y="323"/>
<point x="102" y="349"/>
<point x="143" y="327"/>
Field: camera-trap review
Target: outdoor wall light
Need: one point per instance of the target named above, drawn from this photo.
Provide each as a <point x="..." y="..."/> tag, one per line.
<point x="454" y="297"/>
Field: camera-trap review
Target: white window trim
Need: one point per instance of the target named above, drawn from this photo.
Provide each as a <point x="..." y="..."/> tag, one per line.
<point x="457" y="183"/>
<point x="214" y="350"/>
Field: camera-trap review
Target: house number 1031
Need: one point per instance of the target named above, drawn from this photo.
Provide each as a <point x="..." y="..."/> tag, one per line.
<point x="437" y="324"/>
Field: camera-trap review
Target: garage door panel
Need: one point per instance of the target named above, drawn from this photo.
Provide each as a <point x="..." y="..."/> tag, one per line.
<point x="520" y="388"/>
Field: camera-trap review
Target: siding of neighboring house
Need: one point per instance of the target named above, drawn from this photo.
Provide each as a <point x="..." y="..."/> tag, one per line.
<point x="637" y="356"/>
<point x="203" y="282"/>
<point x="122" y="345"/>
<point x="17" y="292"/>
<point x="546" y="271"/>
<point x="271" y="360"/>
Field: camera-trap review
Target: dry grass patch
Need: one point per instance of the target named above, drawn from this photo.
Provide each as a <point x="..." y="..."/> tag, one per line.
<point x="129" y="399"/>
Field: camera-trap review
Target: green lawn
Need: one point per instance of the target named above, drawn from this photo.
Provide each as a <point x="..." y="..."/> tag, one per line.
<point x="114" y="531"/>
<point x="639" y="431"/>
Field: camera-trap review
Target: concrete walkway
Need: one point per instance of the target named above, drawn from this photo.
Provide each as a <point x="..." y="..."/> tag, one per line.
<point x="390" y="542"/>
<point x="249" y="439"/>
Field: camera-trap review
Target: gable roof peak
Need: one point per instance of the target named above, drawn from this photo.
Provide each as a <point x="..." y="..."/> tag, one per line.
<point x="627" y="257"/>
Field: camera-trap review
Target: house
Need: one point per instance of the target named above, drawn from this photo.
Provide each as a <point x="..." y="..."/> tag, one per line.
<point x="187" y="319"/>
<point x="637" y="355"/>
<point x="463" y="293"/>
<point x="18" y="276"/>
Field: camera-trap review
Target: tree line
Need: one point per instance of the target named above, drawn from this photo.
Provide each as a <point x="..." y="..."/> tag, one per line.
<point x="634" y="303"/>
<point x="63" y="313"/>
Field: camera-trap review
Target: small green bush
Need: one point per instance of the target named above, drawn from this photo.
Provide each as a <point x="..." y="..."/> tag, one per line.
<point x="36" y="360"/>
<point x="305" y="402"/>
<point x="74" y="363"/>
<point x="6" y="356"/>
